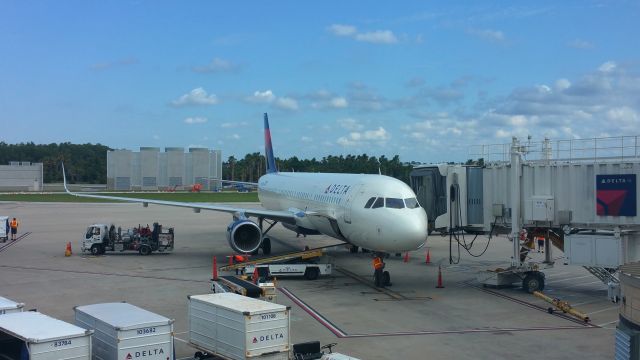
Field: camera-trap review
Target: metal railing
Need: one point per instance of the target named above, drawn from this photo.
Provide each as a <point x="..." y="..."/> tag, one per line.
<point x="575" y="150"/>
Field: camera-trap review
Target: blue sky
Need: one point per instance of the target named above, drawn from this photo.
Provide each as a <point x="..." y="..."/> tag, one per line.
<point x="424" y="80"/>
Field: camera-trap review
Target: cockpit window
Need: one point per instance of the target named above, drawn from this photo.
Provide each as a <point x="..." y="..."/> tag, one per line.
<point x="394" y="203"/>
<point x="369" y="203"/>
<point x="378" y="204"/>
<point x="412" y="203"/>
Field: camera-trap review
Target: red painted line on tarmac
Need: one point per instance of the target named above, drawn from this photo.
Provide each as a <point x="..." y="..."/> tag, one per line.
<point x="11" y="243"/>
<point x="311" y="311"/>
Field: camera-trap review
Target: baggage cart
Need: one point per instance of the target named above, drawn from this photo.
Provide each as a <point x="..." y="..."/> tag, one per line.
<point x="125" y="331"/>
<point x="31" y="335"/>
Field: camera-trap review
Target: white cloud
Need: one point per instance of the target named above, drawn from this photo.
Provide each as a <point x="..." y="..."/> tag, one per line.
<point x="235" y="137"/>
<point x="342" y="30"/>
<point x="197" y="96"/>
<point x="369" y="137"/>
<point x="195" y="120"/>
<point x="518" y="120"/>
<point x="377" y="37"/>
<point x="230" y="125"/>
<point x="609" y="66"/>
<point x="562" y="84"/>
<point x="286" y="103"/>
<point x="488" y="34"/>
<point x="306" y="139"/>
<point x="266" y="96"/>
<point x="580" y="44"/>
<point x="350" y="124"/>
<point x="379" y="134"/>
<point x="339" y="103"/>
<point x="217" y="65"/>
<point x="374" y="37"/>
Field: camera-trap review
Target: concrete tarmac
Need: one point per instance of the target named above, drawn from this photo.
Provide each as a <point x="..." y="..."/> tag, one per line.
<point x="409" y="320"/>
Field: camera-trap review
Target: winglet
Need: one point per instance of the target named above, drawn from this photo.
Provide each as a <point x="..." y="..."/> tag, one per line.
<point x="64" y="179"/>
<point x="268" y="147"/>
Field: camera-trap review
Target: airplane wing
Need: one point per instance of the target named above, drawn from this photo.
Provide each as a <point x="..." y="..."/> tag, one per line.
<point x="282" y="216"/>
<point x="238" y="182"/>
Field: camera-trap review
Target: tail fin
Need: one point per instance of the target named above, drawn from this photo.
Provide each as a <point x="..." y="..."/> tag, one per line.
<point x="268" y="148"/>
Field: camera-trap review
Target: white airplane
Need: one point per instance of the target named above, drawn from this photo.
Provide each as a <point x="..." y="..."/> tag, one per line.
<point x="374" y="212"/>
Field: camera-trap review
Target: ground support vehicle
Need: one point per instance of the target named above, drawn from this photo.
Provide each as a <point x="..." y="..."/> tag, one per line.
<point x="307" y="263"/>
<point x="125" y="331"/>
<point x="9" y="306"/>
<point x="30" y="335"/>
<point x="100" y="238"/>
<point x="233" y="326"/>
<point x="4" y="228"/>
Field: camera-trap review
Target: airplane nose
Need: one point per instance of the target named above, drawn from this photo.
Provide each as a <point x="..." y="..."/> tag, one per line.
<point x="414" y="230"/>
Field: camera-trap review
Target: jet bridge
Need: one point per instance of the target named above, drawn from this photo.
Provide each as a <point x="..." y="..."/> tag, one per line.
<point x="580" y="195"/>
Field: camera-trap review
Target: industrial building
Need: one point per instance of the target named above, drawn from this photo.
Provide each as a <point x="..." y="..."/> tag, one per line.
<point x="21" y="176"/>
<point x="173" y="169"/>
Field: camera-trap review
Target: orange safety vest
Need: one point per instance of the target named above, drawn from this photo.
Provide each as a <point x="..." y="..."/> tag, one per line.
<point x="377" y="263"/>
<point x="14" y="224"/>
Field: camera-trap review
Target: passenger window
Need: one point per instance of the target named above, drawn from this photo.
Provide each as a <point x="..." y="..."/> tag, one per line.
<point x="412" y="203"/>
<point x="378" y="204"/>
<point x="394" y="203"/>
<point x="369" y="203"/>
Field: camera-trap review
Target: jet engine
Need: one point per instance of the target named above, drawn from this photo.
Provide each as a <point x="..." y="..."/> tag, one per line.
<point x="244" y="236"/>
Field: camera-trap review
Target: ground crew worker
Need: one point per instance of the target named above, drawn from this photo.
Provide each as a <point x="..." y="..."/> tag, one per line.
<point x="541" y="244"/>
<point x="239" y="259"/>
<point x="14" y="228"/>
<point x="378" y="266"/>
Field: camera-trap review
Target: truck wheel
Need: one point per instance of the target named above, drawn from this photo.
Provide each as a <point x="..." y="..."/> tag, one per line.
<point x="144" y="250"/>
<point x="95" y="250"/>
<point x="534" y="281"/>
<point x="266" y="246"/>
<point x="311" y="273"/>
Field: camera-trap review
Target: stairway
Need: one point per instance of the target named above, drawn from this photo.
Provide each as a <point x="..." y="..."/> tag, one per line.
<point x="606" y="275"/>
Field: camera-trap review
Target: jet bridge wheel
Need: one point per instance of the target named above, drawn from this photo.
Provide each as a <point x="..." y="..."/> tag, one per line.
<point x="533" y="281"/>
<point x="312" y="273"/>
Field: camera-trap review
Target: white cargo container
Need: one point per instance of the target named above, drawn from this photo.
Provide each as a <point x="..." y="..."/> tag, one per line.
<point x="237" y="327"/>
<point x="124" y="331"/>
<point x="9" y="306"/>
<point x="35" y="336"/>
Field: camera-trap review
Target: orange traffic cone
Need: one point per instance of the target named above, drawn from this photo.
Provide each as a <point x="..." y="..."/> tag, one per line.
<point x="406" y="257"/>
<point x="67" y="251"/>
<point x="440" y="286"/>
<point x="215" y="269"/>
<point x="428" y="257"/>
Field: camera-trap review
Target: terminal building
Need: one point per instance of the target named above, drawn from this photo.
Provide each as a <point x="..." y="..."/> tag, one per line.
<point x="174" y="169"/>
<point x="21" y="176"/>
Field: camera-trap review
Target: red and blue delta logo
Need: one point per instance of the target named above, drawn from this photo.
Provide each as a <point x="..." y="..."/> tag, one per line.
<point x="616" y="195"/>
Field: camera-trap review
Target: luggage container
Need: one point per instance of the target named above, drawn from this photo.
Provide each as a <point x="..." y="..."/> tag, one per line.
<point x="34" y="336"/>
<point x="124" y="331"/>
<point x="8" y="306"/>
<point x="237" y="327"/>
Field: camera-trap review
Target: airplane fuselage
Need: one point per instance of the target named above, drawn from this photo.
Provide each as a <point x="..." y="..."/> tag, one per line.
<point x="376" y="212"/>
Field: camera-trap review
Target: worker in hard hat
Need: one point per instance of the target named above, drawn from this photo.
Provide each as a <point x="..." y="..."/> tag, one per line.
<point x="14" y="228"/>
<point x="378" y="267"/>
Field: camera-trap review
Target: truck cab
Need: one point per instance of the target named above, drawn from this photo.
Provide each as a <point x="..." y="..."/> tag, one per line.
<point x="94" y="239"/>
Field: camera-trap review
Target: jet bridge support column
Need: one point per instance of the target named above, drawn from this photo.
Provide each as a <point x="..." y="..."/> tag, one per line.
<point x="515" y="201"/>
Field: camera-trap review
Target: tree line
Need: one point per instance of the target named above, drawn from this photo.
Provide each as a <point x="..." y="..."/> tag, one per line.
<point x="252" y="166"/>
<point x="87" y="163"/>
<point x="84" y="163"/>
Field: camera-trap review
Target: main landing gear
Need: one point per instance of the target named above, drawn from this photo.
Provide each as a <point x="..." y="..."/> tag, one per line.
<point x="381" y="278"/>
<point x="266" y="242"/>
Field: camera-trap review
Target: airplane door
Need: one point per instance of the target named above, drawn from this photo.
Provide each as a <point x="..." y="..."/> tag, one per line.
<point x="349" y="203"/>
